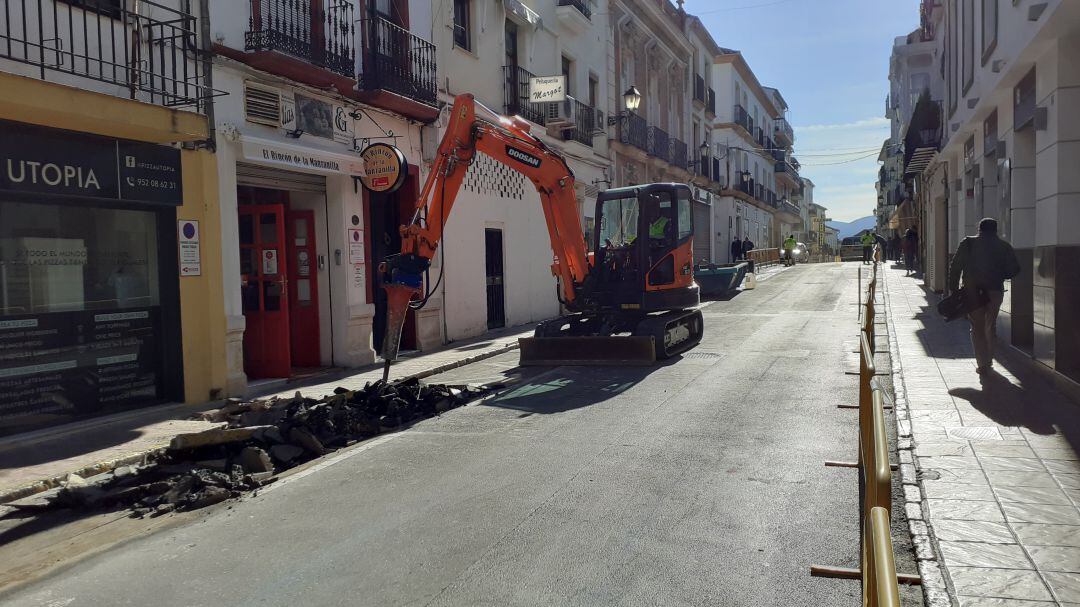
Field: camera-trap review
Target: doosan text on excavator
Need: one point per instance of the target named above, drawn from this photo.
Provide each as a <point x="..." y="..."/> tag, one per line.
<point x="633" y="301"/>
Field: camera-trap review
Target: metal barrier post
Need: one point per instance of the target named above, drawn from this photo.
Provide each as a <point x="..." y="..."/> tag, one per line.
<point x="879" y="579"/>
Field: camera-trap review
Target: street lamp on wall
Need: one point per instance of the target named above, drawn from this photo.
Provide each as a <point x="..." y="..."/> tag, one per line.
<point x="631" y="101"/>
<point x="703" y="151"/>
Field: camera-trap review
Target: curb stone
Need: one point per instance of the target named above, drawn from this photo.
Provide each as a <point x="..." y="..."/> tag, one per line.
<point x="927" y="552"/>
<point x="40" y="486"/>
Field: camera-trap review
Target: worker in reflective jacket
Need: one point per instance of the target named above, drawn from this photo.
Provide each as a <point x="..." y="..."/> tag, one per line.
<point x="789" y="249"/>
<point x="867" y="240"/>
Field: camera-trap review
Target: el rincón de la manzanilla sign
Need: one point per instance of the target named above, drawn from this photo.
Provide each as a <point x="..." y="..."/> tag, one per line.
<point x="385" y="168"/>
<point x="38" y="160"/>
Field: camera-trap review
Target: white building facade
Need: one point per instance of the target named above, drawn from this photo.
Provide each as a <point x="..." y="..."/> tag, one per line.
<point x="1011" y="75"/>
<point x="308" y="90"/>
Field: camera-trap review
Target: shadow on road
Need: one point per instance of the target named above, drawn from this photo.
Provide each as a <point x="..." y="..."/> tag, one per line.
<point x="568" y="388"/>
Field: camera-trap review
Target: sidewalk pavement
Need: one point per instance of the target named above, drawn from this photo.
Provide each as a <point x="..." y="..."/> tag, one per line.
<point x="38" y="461"/>
<point x="998" y="481"/>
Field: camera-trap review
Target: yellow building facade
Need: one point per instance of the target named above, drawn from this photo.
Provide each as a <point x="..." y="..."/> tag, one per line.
<point x="110" y="255"/>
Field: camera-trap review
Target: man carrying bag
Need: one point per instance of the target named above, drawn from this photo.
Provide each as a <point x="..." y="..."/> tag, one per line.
<point x="985" y="262"/>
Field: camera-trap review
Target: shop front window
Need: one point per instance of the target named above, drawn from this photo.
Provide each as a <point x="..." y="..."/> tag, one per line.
<point x="80" y="312"/>
<point x="65" y="258"/>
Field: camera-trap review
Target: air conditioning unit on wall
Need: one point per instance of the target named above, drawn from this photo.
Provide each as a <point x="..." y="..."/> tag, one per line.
<point x="561" y="115"/>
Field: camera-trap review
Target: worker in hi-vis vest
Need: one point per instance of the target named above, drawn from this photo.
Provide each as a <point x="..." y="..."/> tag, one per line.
<point x="867" y="240"/>
<point x="789" y="249"/>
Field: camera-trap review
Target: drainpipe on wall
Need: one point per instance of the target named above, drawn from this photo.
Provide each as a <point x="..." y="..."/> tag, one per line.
<point x="208" y="69"/>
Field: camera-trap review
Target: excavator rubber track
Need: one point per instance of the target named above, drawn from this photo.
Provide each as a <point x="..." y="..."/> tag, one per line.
<point x="654" y="338"/>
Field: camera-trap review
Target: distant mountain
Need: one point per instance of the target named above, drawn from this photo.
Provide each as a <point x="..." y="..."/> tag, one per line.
<point x="851" y="228"/>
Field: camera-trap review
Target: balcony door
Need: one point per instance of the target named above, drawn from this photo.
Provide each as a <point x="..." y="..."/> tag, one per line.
<point x="394" y="11"/>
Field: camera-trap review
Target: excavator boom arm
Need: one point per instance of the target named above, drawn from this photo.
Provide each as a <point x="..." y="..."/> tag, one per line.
<point x="508" y="141"/>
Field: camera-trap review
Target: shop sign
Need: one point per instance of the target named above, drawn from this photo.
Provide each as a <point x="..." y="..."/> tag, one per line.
<point x="38" y="160"/>
<point x="314" y="117"/>
<point x="300" y="159"/>
<point x="547" y="88"/>
<point x="190" y="254"/>
<point x="385" y="168"/>
<point x="343" y="125"/>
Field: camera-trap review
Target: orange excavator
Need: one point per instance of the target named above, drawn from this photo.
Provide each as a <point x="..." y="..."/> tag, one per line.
<point x="633" y="301"/>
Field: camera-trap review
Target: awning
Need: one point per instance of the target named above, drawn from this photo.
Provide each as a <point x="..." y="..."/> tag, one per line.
<point x="299" y="158"/>
<point x="920" y="160"/>
<point x="524" y="13"/>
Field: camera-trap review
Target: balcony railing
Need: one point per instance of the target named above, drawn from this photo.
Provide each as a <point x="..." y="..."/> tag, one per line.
<point x="151" y="54"/>
<point x="658" y="143"/>
<point x="581" y="5"/>
<point x="699" y="88"/>
<point x="710" y="101"/>
<point x="677" y="150"/>
<point x="785" y="166"/>
<point x="516" y="95"/>
<point x="297" y="27"/>
<point x="703" y="167"/>
<point x="743" y="119"/>
<point x="781" y="128"/>
<point x="635" y="131"/>
<point x="585" y="123"/>
<point x="759" y="136"/>
<point x="715" y="175"/>
<point x="394" y="59"/>
<point x="747" y="187"/>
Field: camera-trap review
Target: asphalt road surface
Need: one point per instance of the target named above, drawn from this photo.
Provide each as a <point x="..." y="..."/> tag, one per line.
<point x="698" y="482"/>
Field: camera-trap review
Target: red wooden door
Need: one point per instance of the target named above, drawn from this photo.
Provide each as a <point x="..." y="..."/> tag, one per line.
<point x="303" y="288"/>
<point x="263" y="288"/>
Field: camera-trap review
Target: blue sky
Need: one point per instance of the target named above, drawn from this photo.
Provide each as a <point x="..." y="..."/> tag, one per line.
<point x="830" y="60"/>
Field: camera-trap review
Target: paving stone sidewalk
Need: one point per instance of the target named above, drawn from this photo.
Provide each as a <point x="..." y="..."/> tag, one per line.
<point x="998" y="483"/>
<point x="37" y="461"/>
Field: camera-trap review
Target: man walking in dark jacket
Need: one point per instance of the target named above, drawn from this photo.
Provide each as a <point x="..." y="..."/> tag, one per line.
<point x="736" y="249"/>
<point x="985" y="262"/>
<point x="747" y="246"/>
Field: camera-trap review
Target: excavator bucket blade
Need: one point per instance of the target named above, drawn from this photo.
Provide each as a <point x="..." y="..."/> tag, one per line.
<point x="587" y="351"/>
<point x="397" y="307"/>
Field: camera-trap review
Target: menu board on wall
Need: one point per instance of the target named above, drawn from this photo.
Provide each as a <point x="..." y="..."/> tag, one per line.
<point x="72" y="364"/>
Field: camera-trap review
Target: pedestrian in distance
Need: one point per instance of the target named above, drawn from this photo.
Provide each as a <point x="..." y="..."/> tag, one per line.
<point x="867" y="241"/>
<point x="911" y="249"/>
<point x="896" y="246"/>
<point x="747" y="246"/>
<point x="983" y="263"/>
<point x="883" y="245"/>
<point x="736" y="249"/>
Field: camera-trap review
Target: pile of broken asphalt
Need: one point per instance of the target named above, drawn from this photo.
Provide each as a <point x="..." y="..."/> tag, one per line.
<point x="258" y="440"/>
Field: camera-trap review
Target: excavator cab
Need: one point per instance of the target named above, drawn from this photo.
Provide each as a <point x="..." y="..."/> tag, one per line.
<point x="644" y="249"/>
<point x="638" y="303"/>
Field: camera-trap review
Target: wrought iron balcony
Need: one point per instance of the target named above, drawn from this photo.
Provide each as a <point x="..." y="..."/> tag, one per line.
<point x="581" y="5"/>
<point x="658" y="143"/>
<point x="678" y="149"/>
<point x="635" y="131"/>
<point x="586" y="121"/>
<point x="151" y="54"/>
<point x="786" y="167"/>
<point x="716" y="174"/>
<point x="394" y="59"/>
<point x="303" y="29"/>
<point x="743" y="119"/>
<point x="783" y="132"/>
<point x="516" y="95"/>
<point x="710" y="101"/>
<point x="699" y="88"/>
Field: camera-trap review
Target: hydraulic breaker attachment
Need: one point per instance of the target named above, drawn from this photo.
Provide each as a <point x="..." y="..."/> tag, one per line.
<point x="397" y="307"/>
<point x="587" y="350"/>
